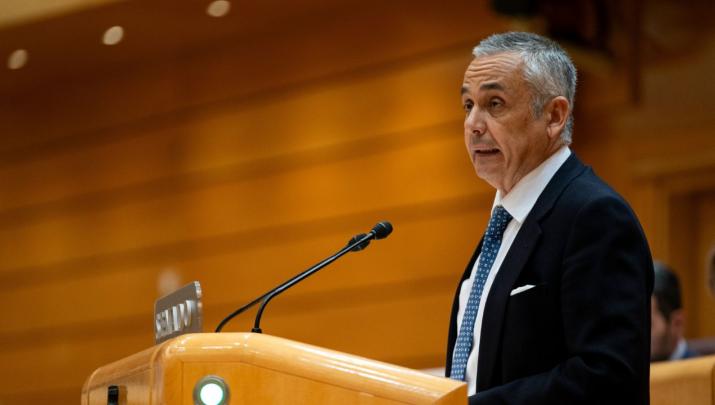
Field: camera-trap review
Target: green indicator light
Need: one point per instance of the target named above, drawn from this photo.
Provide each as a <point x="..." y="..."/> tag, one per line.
<point x="211" y="394"/>
<point x="211" y="390"/>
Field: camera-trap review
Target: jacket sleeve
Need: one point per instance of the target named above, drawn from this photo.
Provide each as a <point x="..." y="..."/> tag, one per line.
<point x="606" y="282"/>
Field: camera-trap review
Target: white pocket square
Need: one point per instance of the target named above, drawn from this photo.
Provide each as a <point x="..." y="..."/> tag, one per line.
<point x="521" y="289"/>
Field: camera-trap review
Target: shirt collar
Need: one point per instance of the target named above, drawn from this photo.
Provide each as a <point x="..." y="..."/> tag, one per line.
<point x="680" y="349"/>
<point x="521" y="199"/>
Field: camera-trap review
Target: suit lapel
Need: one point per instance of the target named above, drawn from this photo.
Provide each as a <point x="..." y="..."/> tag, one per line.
<point x="514" y="262"/>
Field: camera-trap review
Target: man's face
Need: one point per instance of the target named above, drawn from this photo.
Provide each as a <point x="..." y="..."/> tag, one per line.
<point x="503" y="138"/>
<point x="662" y="339"/>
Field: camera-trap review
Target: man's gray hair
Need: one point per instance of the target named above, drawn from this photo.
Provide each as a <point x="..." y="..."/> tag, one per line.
<point x="547" y="69"/>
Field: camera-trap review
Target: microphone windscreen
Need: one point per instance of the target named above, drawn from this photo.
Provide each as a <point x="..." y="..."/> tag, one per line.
<point x="382" y="229"/>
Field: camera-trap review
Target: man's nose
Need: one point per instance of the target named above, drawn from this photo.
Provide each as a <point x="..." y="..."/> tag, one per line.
<point x="474" y="124"/>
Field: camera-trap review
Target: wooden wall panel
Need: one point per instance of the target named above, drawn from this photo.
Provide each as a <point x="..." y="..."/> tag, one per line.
<point x="306" y="50"/>
<point x="682" y="229"/>
<point x="239" y="164"/>
<point x="330" y="190"/>
<point x="702" y="313"/>
<point x="234" y="273"/>
<point x="231" y="136"/>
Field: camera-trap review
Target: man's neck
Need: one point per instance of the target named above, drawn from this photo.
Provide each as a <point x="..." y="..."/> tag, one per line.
<point x="506" y="187"/>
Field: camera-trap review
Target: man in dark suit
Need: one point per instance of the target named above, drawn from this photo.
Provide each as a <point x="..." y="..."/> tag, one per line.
<point x="667" y="333"/>
<point x="554" y="306"/>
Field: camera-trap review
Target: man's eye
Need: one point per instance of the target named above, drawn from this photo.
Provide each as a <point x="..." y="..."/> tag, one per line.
<point x="495" y="103"/>
<point x="468" y="107"/>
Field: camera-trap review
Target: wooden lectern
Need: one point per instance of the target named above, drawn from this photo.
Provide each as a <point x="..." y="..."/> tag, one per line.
<point x="690" y="382"/>
<point x="262" y="369"/>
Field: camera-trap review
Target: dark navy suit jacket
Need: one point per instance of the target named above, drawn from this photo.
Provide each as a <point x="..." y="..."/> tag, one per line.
<point x="582" y="334"/>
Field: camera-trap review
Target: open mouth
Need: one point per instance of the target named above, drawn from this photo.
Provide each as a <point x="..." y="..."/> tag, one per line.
<point x="486" y="152"/>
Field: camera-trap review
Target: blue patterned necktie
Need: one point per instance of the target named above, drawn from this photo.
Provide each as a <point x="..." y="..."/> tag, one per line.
<point x="492" y="241"/>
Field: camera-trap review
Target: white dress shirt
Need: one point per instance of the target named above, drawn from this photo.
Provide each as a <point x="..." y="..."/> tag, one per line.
<point x="680" y="349"/>
<point x="518" y="202"/>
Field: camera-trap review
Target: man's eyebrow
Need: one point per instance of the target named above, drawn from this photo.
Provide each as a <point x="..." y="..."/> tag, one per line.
<point x="492" y="86"/>
<point x="486" y="86"/>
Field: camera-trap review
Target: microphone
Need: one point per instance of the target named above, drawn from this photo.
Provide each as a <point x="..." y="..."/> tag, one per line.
<point x="381" y="231"/>
<point x="358" y="242"/>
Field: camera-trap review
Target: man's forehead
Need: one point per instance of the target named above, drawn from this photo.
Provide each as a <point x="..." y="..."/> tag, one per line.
<point x="492" y="72"/>
<point x="505" y="60"/>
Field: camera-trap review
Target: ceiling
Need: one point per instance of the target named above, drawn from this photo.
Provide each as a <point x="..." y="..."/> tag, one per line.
<point x="64" y="38"/>
<point x="64" y="42"/>
<point x="16" y="12"/>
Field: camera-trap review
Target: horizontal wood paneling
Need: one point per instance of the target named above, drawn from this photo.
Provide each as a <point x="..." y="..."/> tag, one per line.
<point x="39" y="395"/>
<point x="270" y="238"/>
<point x="241" y="138"/>
<point x="335" y="189"/>
<point x="236" y="273"/>
<point x="238" y="164"/>
<point x="361" y="41"/>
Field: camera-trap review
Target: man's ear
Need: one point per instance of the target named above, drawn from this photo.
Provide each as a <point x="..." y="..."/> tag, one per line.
<point x="557" y="112"/>
<point x="677" y="321"/>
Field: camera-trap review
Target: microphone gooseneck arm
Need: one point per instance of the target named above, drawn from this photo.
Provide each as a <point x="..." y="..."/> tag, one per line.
<point x="302" y="276"/>
<point x="357" y="243"/>
<point x="239" y="312"/>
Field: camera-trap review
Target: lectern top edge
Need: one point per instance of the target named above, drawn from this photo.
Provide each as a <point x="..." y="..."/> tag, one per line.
<point x="152" y="369"/>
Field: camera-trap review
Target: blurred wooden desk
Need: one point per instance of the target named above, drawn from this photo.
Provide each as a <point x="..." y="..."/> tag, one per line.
<point x="687" y="382"/>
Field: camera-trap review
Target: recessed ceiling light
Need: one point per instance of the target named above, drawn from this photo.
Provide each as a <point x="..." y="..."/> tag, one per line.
<point x="113" y="35"/>
<point x="17" y="59"/>
<point x="218" y="8"/>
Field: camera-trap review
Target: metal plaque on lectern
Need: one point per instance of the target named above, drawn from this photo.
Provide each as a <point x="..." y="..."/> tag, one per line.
<point x="178" y="313"/>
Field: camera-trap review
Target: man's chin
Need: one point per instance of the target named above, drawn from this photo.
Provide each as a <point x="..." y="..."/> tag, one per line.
<point x="487" y="175"/>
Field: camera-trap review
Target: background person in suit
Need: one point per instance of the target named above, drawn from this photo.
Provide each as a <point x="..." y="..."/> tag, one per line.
<point x="553" y="307"/>
<point x="667" y="341"/>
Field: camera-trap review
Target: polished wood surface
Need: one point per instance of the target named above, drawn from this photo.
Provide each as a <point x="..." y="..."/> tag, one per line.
<point x="683" y="382"/>
<point x="267" y="370"/>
